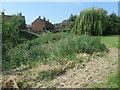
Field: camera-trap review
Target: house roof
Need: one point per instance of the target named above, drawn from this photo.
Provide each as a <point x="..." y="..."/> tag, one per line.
<point x="46" y="22"/>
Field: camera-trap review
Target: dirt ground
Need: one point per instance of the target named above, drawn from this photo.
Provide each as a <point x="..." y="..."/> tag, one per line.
<point x="81" y="76"/>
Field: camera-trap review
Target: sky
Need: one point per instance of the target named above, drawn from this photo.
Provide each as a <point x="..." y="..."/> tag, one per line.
<point x="54" y="11"/>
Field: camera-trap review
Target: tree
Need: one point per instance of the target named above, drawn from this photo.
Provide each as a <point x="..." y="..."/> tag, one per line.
<point x="118" y="25"/>
<point x="19" y="21"/>
<point x="91" y="21"/>
<point x="10" y="32"/>
<point x="71" y="24"/>
<point x="9" y="36"/>
<point x="113" y="24"/>
<point x="72" y="18"/>
<point x="71" y="21"/>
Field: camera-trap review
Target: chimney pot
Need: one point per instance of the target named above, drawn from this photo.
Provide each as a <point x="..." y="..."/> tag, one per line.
<point x="44" y="19"/>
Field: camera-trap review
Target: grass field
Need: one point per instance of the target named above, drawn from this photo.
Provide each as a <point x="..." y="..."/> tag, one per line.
<point x="110" y="41"/>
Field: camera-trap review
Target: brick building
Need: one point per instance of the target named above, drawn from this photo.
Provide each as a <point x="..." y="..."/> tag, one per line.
<point x="41" y="25"/>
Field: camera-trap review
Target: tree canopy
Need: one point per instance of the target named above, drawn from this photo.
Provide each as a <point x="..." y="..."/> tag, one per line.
<point x="71" y="20"/>
<point x="113" y="24"/>
<point x="11" y="25"/>
<point x="91" y="21"/>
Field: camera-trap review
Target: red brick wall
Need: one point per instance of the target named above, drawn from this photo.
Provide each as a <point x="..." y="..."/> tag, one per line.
<point x="38" y="25"/>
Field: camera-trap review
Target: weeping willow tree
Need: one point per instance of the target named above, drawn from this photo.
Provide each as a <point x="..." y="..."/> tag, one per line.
<point x="91" y="21"/>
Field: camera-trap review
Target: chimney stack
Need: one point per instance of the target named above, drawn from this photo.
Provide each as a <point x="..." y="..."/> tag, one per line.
<point x="3" y="13"/>
<point x="44" y="19"/>
<point x="40" y="17"/>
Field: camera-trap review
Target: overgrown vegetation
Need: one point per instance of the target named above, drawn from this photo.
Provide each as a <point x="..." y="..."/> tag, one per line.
<point x="12" y="34"/>
<point x="52" y="47"/>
